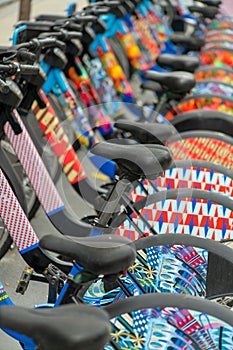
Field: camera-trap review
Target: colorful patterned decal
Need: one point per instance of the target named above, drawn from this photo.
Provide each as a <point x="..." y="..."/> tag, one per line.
<point x="104" y="86"/>
<point x="170" y="269"/>
<point x="14" y="217"/>
<point x="34" y="168"/>
<point x="198" y="178"/>
<point x="58" y="141"/>
<point x="116" y="73"/>
<point x="215" y="74"/>
<point x="225" y="43"/>
<point x="216" y="25"/>
<point x="170" y="328"/>
<point x="147" y="39"/>
<point x="213" y="87"/>
<point x="217" y="58"/>
<point x="79" y="121"/>
<point x="192" y="216"/>
<point x="204" y="148"/>
<point x="132" y="51"/>
<point x="186" y="177"/>
<point x="97" y="113"/>
<point x="199" y="102"/>
<point x="219" y="36"/>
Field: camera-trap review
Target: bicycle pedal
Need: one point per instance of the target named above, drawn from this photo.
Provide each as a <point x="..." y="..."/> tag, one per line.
<point x="24" y="280"/>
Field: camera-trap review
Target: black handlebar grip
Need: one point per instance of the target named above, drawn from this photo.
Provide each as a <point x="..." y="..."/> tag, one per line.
<point x="74" y="35"/>
<point x="27" y="69"/>
<point x="100" y="10"/>
<point x="112" y="4"/>
<point x="26" y="56"/>
<point x="52" y="42"/>
<point x="84" y="19"/>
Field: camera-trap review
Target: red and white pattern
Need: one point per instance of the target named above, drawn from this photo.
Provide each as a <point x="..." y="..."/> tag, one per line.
<point x="34" y="167"/>
<point x="14" y="217"/>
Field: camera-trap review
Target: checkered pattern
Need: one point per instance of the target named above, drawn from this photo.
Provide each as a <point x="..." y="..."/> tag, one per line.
<point x="34" y="167"/>
<point x="14" y="218"/>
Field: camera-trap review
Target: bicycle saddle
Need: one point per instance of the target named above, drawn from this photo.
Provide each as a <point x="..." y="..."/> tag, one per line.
<point x="152" y="86"/>
<point x="176" y="82"/>
<point x="206" y="11"/>
<point x="68" y="327"/>
<point x="194" y="43"/>
<point x="147" y="132"/>
<point x="179" y="62"/>
<point x="136" y="161"/>
<point x="211" y="2"/>
<point x="100" y="255"/>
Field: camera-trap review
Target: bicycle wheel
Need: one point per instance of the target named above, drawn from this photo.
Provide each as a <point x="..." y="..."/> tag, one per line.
<point x="169" y="321"/>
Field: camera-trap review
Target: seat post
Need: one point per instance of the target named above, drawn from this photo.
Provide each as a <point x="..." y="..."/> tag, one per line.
<point x="120" y="188"/>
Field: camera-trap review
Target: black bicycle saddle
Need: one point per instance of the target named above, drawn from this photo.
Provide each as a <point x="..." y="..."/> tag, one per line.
<point x="179" y="62"/>
<point x="175" y="82"/>
<point x="136" y="161"/>
<point x="69" y="327"/>
<point x="152" y="133"/>
<point x="194" y="43"/>
<point x="101" y="255"/>
<point x="206" y="11"/>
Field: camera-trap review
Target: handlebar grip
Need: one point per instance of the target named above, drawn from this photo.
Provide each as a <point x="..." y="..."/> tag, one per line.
<point x="74" y="35"/>
<point x="100" y="11"/>
<point x="26" y="56"/>
<point x="112" y="4"/>
<point x="51" y="42"/>
<point x="27" y="69"/>
<point x="4" y="88"/>
<point x="84" y="19"/>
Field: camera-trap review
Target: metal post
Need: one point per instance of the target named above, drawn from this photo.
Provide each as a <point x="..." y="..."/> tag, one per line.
<point x="24" y="10"/>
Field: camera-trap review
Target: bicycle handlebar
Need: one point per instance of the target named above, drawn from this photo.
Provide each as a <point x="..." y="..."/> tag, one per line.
<point x="35" y="44"/>
<point x="14" y="68"/>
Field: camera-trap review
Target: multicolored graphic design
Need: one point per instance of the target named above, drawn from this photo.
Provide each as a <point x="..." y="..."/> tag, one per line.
<point x="170" y="328"/>
<point x="218" y="74"/>
<point x="97" y="113"/>
<point x="213" y="87"/>
<point x="201" y="102"/>
<point x="132" y="51"/>
<point x="116" y="73"/>
<point x="147" y="39"/>
<point x="34" y="168"/>
<point x="187" y="176"/>
<point x="217" y="57"/>
<point x="58" y="141"/>
<point x="219" y="36"/>
<point x="223" y="43"/>
<point x="201" y="178"/>
<point x="222" y="24"/>
<point x="169" y="269"/>
<point x="203" y="148"/>
<point x="79" y="121"/>
<point x="104" y="86"/>
<point x="193" y="216"/>
<point x="15" y="219"/>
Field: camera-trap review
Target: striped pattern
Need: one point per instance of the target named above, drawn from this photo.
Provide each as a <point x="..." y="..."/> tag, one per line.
<point x="34" y="167"/>
<point x="14" y="217"/>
